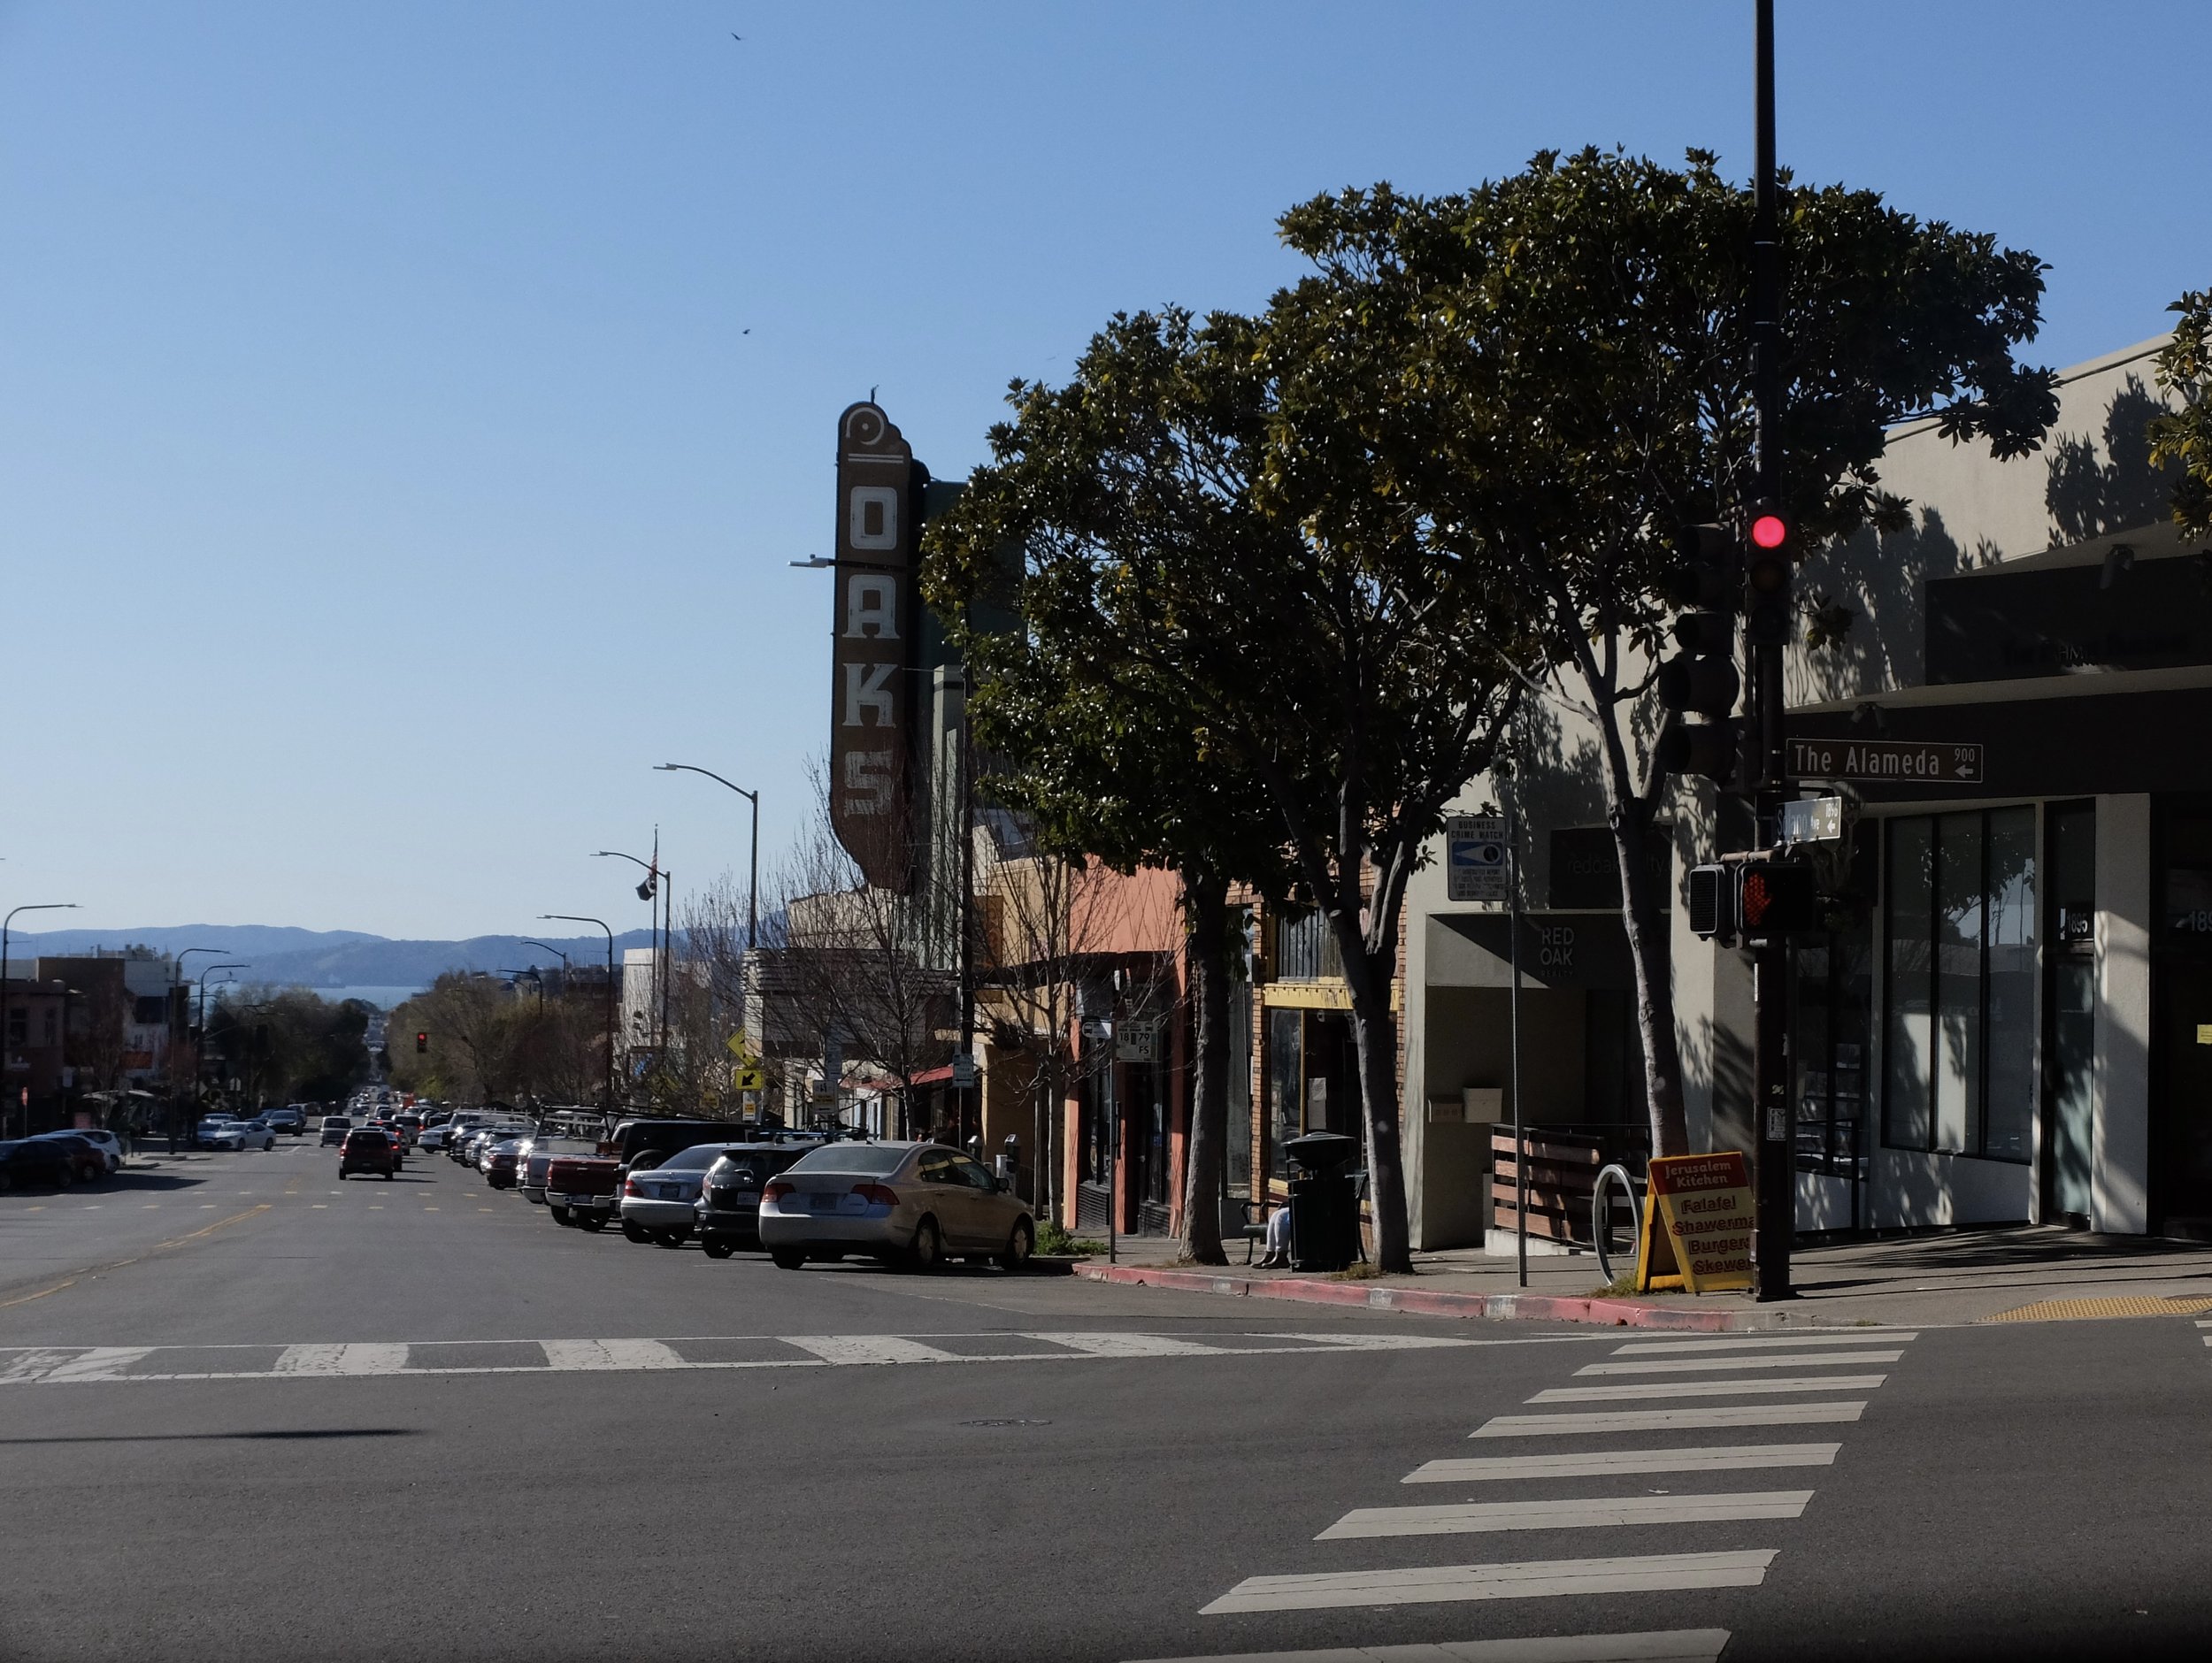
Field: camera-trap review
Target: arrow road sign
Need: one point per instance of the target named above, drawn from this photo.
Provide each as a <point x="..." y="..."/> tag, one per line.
<point x="1903" y="761"/>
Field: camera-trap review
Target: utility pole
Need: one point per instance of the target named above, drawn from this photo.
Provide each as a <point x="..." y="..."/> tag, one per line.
<point x="1776" y="1193"/>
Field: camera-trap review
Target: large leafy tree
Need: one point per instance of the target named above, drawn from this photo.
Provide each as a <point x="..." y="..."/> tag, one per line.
<point x="1323" y="656"/>
<point x="1102" y="752"/>
<point x="1540" y="379"/>
<point x="2182" y="438"/>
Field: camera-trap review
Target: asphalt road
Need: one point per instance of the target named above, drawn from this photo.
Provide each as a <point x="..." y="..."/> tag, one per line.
<point x="247" y="1412"/>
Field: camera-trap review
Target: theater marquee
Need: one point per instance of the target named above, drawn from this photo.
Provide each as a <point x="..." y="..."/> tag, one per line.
<point x="873" y="694"/>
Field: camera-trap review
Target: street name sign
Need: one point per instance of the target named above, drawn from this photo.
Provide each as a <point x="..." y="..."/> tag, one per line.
<point x="1477" y="857"/>
<point x="1929" y="761"/>
<point x="1813" y="820"/>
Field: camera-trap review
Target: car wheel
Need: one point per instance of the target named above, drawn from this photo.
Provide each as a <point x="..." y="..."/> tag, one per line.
<point x="637" y="1233"/>
<point x="788" y="1258"/>
<point x="672" y="1238"/>
<point x="928" y="1249"/>
<point x="592" y="1221"/>
<point x="559" y="1215"/>
<point x="68" y="1176"/>
<point x="1019" y="1246"/>
<point x="714" y="1247"/>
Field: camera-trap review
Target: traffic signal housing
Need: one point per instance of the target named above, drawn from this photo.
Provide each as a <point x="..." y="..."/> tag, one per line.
<point x="422" y="1043"/>
<point x="1753" y="898"/>
<point x="1767" y="571"/>
<point x="1698" y="685"/>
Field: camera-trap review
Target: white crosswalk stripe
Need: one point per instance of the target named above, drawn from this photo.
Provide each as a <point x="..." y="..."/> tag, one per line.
<point x="1467" y="1517"/>
<point x="1535" y="1579"/>
<point x="1764" y="1342"/>
<point x="1606" y="1463"/>
<point x="1667" y="1420"/>
<point x="143" y="1364"/>
<point x="1671" y="1645"/>
<point x="1784" y="1359"/>
<point x="1704" y="1389"/>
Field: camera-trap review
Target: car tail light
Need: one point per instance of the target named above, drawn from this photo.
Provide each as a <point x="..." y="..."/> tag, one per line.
<point x="877" y="1194"/>
<point x="777" y="1189"/>
<point x="629" y="1187"/>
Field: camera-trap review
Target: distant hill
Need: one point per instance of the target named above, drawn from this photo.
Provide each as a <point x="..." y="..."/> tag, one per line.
<point x="330" y="958"/>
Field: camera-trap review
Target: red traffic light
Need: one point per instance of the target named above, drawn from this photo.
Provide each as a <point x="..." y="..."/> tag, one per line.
<point x="1770" y="530"/>
<point x="422" y="1042"/>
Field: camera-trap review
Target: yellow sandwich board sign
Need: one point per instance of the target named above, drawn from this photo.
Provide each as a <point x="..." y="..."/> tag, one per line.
<point x="1696" y="1232"/>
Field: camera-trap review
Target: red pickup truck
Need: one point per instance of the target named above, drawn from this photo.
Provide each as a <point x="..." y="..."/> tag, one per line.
<point x="587" y="1190"/>
<point x="583" y="1190"/>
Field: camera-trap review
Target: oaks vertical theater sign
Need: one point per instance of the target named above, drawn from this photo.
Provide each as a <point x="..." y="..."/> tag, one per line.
<point x="872" y="694"/>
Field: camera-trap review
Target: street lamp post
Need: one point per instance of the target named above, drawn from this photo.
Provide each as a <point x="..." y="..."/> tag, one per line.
<point x="656" y="877"/>
<point x="199" y="1057"/>
<point x="573" y="917"/>
<point x="183" y="954"/>
<point x="752" y="883"/>
<point x="5" y="1001"/>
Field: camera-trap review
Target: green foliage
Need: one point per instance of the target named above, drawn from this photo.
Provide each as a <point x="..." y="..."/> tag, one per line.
<point x="1053" y="1237"/>
<point x="2182" y="438"/>
<point x="290" y="1044"/>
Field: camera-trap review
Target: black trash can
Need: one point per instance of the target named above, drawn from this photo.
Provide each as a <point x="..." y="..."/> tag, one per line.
<point x="1324" y="1203"/>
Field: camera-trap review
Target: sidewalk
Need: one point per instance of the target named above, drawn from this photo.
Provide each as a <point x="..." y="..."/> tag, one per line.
<point x="2011" y="1274"/>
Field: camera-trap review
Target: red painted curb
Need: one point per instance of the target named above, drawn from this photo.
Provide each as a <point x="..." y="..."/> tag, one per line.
<point x="1527" y="1307"/>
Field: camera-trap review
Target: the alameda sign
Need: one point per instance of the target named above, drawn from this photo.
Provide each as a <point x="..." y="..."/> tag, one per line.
<point x="1929" y="761"/>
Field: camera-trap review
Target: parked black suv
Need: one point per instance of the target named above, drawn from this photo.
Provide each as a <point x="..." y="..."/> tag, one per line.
<point x="728" y="1207"/>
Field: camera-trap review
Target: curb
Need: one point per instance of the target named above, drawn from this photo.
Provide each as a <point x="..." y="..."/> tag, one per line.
<point x="1524" y="1307"/>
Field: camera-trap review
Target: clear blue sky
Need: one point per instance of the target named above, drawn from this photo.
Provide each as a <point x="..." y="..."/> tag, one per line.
<point x="387" y="477"/>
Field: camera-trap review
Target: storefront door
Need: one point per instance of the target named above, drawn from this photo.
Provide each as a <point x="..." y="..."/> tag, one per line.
<point x="2070" y="1045"/>
<point x="2181" y="1081"/>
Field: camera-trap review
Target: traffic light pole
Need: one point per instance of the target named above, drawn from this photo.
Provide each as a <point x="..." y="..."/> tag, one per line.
<point x="1776" y="1199"/>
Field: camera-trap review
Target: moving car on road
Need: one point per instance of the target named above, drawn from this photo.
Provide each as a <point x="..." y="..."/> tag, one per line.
<point x="225" y="1134"/>
<point x="107" y="1143"/>
<point x="255" y="1134"/>
<point x="912" y="1203"/>
<point x="336" y="1127"/>
<point x="291" y="1118"/>
<point x="368" y="1149"/>
<point x="35" y="1163"/>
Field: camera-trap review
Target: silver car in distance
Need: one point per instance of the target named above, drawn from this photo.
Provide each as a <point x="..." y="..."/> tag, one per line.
<point x="916" y="1204"/>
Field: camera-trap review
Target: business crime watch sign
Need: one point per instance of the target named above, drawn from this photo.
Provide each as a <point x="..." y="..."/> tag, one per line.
<point x="1697" y="1223"/>
<point x="871" y="692"/>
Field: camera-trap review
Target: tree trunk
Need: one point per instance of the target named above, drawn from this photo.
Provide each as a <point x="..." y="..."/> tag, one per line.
<point x="1648" y="949"/>
<point x="1206" y="923"/>
<point x="1375" y="1036"/>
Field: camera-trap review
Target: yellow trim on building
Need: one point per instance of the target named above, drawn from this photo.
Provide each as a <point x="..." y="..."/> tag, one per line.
<point x="1326" y="993"/>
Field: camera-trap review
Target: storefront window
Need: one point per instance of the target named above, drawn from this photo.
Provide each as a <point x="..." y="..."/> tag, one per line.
<point x="1834" y="1007"/>
<point x="1960" y="1035"/>
<point x="1286" y="1085"/>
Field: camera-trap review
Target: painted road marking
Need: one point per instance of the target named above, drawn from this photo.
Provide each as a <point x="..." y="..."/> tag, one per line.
<point x="1539" y="1578"/>
<point x="101" y="1362"/>
<point x="1787" y="1360"/>
<point x="341" y="1359"/>
<point x="1674" y="1646"/>
<point x="868" y="1348"/>
<point x="1704" y="1389"/>
<point x="1771" y="1342"/>
<point x="1604" y="1463"/>
<point x="1468" y="1518"/>
<point x="21" y="1365"/>
<point x="1666" y="1420"/>
<point x="608" y="1353"/>
<point x="1125" y="1345"/>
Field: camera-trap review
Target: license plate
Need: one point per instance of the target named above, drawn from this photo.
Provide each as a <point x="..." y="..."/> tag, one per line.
<point x="826" y="1203"/>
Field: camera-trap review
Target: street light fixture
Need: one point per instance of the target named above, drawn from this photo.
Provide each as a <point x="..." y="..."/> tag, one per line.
<point x="665" y="939"/>
<point x="575" y="917"/>
<point x="181" y="954"/>
<point x="752" y="884"/>
<point x="5" y="1007"/>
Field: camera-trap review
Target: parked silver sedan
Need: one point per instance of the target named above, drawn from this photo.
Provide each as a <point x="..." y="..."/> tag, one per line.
<point x="901" y="1203"/>
<point x="658" y="1198"/>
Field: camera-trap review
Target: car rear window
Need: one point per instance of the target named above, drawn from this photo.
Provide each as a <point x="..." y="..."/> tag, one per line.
<point x="871" y="1161"/>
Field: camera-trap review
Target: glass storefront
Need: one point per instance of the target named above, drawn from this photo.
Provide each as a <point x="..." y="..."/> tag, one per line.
<point x="1962" y="936"/>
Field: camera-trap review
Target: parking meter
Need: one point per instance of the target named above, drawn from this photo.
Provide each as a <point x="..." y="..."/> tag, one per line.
<point x="1010" y="1160"/>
